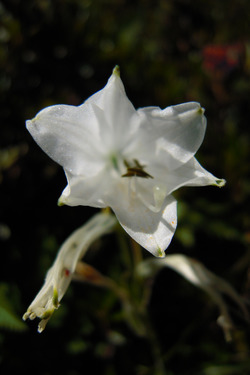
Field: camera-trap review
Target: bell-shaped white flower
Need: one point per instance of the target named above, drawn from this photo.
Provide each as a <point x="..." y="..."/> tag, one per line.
<point x="129" y="160"/>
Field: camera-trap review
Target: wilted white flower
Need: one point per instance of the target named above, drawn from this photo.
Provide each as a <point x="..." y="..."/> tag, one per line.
<point x="60" y="274"/>
<point x="129" y="160"/>
<point x="197" y="274"/>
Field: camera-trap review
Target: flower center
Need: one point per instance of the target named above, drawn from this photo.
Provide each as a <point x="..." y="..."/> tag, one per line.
<point x="135" y="169"/>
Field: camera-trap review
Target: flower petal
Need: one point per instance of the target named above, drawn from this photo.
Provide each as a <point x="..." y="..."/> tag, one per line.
<point x="60" y="274"/>
<point x="116" y="106"/>
<point x="178" y="131"/>
<point x="189" y="174"/>
<point x="152" y="230"/>
<point x="88" y="191"/>
<point x="68" y="135"/>
<point x="151" y="193"/>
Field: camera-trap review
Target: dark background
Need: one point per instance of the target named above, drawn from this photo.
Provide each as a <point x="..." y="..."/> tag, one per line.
<point x="169" y="52"/>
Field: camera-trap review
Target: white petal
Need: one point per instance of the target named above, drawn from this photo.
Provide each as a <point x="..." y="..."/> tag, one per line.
<point x="177" y="130"/>
<point x="152" y="230"/>
<point x="116" y="106"/>
<point x="150" y="192"/>
<point x="189" y="174"/>
<point x="69" y="135"/>
<point x="89" y="191"/>
<point x="196" y="175"/>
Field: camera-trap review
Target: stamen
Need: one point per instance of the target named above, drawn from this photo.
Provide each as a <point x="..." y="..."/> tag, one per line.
<point x="136" y="170"/>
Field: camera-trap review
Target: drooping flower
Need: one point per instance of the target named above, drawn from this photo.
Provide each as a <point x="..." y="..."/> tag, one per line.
<point x="60" y="274"/>
<point x="197" y="274"/>
<point x="127" y="159"/>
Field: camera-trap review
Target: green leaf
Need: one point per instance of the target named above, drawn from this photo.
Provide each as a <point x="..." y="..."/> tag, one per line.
<point x="10" y="321"/>
<point x="8" y="318"/>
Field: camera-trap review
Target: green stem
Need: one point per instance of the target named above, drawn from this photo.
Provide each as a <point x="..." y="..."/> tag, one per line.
<point x="134" y="299"/>
<point x="159" y="367"/>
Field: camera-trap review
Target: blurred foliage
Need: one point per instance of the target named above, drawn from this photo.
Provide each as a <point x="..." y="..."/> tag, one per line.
<point x="8" y="318"/>
<point x="169" y="51"/>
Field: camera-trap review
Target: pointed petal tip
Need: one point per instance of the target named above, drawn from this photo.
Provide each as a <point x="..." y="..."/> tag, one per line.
<point x="220" y="183"/>
<point x="61" y="202"/>
<point x="25" y="316"/>
<point x="201" y="111"/>
<point x="116" y="71"/>
<point x="42" y="325"/>
<point x="160" y="253"/>
<point x="28" y="124"/>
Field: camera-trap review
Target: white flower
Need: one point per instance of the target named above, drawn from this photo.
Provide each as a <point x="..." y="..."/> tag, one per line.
<point x="197" y="274"/>
<point x="60" y="274"/>
<point x="129" y="160"/>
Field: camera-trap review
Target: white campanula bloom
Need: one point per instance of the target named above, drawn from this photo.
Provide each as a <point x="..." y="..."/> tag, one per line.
<point x="127" y="159"/>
